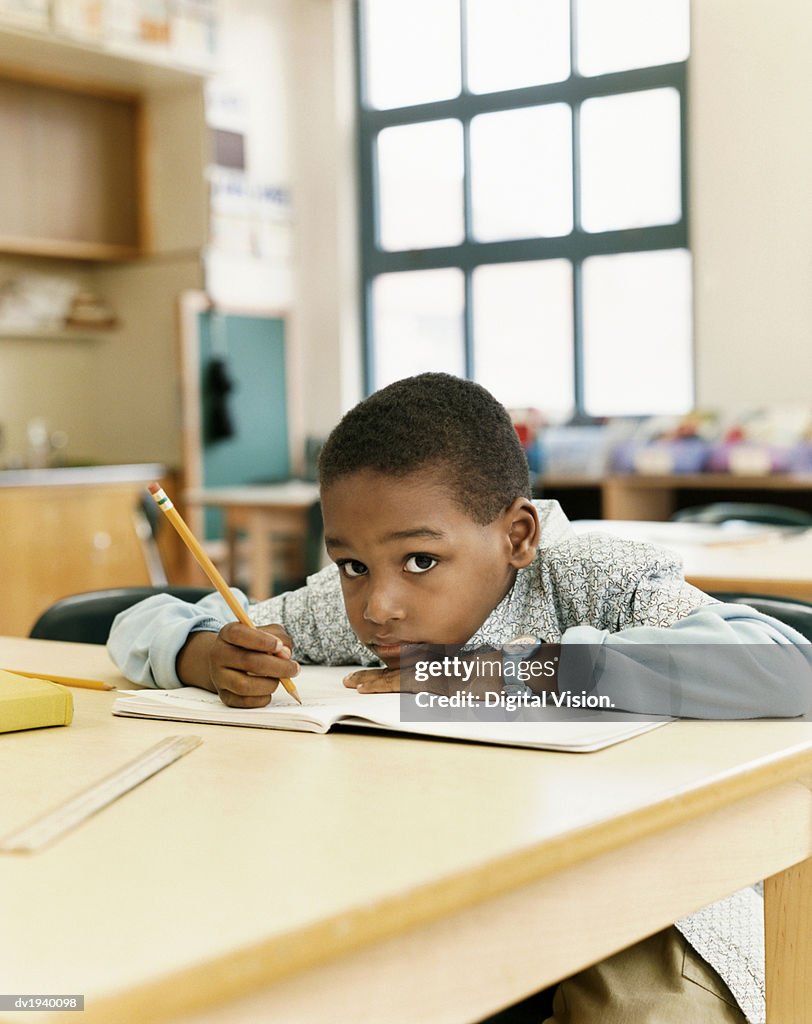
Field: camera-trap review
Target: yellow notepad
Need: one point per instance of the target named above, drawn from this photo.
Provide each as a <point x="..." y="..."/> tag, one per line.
<point x="32" y="703"/>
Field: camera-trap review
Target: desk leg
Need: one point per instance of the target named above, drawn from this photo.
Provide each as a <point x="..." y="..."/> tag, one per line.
<point x="788" y="937"/>
<point x="631" y="499"/>
<point x="231" y="551"/>
<point x="260" y="569"/>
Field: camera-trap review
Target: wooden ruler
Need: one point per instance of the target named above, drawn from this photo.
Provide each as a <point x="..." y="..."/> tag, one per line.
<point x="62" y="819"/>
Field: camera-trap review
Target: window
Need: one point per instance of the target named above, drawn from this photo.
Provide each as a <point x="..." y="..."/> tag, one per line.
<point x="523" y="169"/>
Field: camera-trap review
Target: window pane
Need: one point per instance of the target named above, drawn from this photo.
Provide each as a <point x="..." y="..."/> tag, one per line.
<point x="523" y="334"/>
<point x="630" y="160"/>
<point x="515" y="43"/>
<point x="615" y="35"/>
<point x="420" y="185"/>
<point x="637" y="333"/>
<point x="521" y="173"/>
<point x="411" y="51"/>
<point x="417" y="324"/>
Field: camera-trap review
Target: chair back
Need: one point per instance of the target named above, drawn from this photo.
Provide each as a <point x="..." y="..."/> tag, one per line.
<point x="87" y="618"/>
<point x="743" y="511"/>
<point x="791" y="611"/>
<point x="314" y="541"/>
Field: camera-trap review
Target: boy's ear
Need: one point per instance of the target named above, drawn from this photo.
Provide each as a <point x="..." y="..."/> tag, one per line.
<point x="523" y="530"/>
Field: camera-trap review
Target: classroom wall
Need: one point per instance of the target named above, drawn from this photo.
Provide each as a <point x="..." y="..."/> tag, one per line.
<point x="115" y="395"/>
<point x="252" y="94"/>
<point x="326" y="320"/>
<point x="135" y="384"/>
<point x="34" y="372"/>
<point x="751" y="200"/>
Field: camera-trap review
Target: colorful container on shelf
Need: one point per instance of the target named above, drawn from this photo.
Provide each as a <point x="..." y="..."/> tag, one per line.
<point x="660" y="458"/>
<point x="582" y="450"/>
<point x="747" y="458"/>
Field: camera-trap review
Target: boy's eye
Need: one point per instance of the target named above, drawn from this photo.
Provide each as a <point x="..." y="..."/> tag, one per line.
<point x="352" y="568"/>
<point x="420" y="563"/>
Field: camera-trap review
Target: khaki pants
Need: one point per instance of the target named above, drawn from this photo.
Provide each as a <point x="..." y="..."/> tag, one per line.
<point x="660" y="980"/>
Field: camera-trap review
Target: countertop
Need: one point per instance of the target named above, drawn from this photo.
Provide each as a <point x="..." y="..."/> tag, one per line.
<point x="82" y="475"/>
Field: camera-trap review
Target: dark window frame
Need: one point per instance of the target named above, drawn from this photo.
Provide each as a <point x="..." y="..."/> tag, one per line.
<point x="469" y="254"/>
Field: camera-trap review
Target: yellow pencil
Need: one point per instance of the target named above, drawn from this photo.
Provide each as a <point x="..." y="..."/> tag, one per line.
<point x="165" y="505"/>
<point x="85" y="684"/>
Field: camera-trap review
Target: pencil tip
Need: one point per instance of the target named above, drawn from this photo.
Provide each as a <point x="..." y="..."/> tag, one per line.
<point x="290" y="688"/>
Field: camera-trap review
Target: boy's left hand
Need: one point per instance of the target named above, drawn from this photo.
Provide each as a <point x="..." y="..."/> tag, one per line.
<point x="396" y="680"/>
<point x="377" y="680"/>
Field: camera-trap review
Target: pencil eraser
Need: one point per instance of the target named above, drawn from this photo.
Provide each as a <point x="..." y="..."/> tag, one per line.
<point x="154" y="488"/>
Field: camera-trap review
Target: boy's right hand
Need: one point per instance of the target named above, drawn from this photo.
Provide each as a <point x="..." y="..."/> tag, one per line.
<point x="242" y="665"/>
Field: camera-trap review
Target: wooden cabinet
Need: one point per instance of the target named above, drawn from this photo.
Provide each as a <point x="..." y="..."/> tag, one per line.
<point x="104" y="155"/>
<point x="74" y="532"/>
<point x="69" y="183"/>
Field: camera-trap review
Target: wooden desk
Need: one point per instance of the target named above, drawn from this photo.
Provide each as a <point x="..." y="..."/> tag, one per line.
<point x="299" y="878"/>
<point x="264" y="514"/>
<point x="755" y="560"/>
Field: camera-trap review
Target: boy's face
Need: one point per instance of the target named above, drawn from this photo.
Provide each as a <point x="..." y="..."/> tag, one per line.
<point x="414" y="567"/>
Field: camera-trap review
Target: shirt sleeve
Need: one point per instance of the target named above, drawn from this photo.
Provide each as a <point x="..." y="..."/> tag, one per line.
<point x="721" y="661"/>
<point x="145" y="640"/>
<point x="638" y="634"/>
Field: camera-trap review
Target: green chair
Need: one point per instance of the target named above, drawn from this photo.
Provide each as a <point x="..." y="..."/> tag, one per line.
<point x="87" y="618"/>
<point x="791" y="611"/>
<point x="743" y="511"/>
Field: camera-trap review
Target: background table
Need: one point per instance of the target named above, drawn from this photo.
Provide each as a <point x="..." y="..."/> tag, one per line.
<point x="751" y="558"/>
<point x="302" y="878"/>
<point x="264" y="514"/>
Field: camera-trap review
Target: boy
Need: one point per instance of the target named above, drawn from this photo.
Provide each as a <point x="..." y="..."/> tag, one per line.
<point x="429" y="520"/>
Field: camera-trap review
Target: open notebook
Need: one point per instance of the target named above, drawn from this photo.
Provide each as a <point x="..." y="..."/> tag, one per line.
<point x="327" y="703"/>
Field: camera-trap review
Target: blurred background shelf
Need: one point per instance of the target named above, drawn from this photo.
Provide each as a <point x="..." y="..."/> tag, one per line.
<point x="60" y="334"/>
<point x="114" y="64"/>
<point x="640" y="496"/>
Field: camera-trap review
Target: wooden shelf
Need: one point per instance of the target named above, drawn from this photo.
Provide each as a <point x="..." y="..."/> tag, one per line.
<point x="639" y="496"/>
<point x="59" y="248"/>
<point x="58" y="334"/>
<point x="135" y="69"/>
<point x="565" y="480"/>
<point x="118" y="144"/>
<point x="716" y="481"/>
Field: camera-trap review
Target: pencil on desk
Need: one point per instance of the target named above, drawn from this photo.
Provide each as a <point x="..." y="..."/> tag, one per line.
<point x="193" y="544"/>
<point x="84" y="684"/>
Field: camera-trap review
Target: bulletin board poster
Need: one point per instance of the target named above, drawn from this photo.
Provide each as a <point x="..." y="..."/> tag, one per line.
<point x="244" y="407"/>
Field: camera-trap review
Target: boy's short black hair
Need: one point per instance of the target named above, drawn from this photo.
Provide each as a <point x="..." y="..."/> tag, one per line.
<point x="434" y="420"/>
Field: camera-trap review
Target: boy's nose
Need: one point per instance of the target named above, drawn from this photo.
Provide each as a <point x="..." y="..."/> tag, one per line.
<point x="382" y="605"/>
